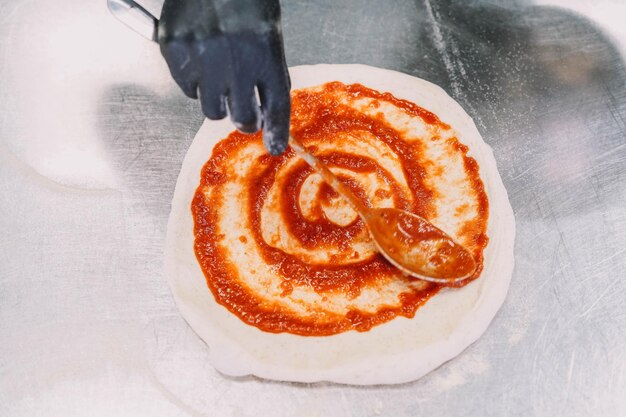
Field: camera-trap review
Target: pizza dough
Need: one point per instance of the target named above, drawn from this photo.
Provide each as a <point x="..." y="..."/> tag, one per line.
<point x="285" y="253"/>
<point x="394" y="351"/>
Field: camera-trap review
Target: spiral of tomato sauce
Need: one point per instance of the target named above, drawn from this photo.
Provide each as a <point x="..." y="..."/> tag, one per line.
<point x="275" y="287"/>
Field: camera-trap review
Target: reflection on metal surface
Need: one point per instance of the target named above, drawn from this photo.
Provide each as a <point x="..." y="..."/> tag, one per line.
<point x="86" y="319"/>
<point x="135" y="17"/>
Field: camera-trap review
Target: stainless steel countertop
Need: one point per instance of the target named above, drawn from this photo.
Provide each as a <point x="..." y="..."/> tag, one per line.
<point x="92" y="134"/>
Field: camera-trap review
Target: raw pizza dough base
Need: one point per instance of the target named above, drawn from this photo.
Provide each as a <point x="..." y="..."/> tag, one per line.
<point x="399" y="351"/>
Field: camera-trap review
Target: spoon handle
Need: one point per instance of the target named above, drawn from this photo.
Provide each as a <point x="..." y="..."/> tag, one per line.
<point x="329" y="177"/>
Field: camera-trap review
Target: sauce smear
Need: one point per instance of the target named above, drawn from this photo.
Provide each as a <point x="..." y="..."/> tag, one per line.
<point x="284" y="254"/>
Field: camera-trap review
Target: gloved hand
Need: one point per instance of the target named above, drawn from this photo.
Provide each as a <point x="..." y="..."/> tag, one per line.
<point x="221" y="50"/>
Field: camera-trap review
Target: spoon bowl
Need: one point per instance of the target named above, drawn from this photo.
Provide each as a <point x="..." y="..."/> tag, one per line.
<point x="417" y="247"/>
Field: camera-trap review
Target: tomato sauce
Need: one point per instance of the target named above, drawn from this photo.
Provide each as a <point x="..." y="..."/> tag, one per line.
<point x="318" y="115"/>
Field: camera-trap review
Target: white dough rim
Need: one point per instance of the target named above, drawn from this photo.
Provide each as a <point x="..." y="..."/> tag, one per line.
<point x="399" y="351"/>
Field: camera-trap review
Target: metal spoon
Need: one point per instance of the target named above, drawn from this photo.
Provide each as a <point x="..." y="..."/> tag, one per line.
<point x="411" y="243"/>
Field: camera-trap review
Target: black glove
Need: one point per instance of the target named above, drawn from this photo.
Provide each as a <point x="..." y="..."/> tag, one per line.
<point x="223" y="49"/>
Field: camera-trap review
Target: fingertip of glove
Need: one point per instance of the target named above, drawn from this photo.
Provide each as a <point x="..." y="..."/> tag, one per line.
<point x="248" y="127"/>
<point x="274" y="145"/>
<point x="189" y="88"/>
